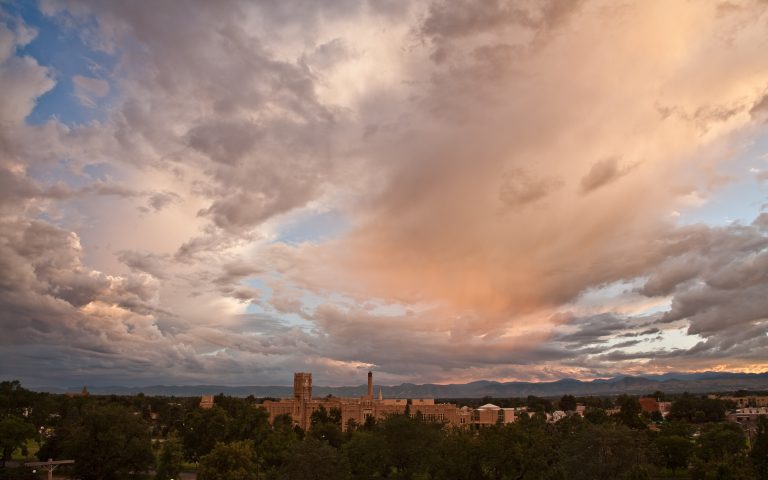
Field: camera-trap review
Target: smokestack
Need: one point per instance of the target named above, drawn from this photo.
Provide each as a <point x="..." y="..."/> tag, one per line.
<point x="370" y="385"/>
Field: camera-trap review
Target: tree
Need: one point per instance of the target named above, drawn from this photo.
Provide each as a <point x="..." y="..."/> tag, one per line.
<point x="13" y="398"/>
<point x="315" y="460"/>
<point x="605" y="451"/>
<point x="674" y="451"/>
<point x="721" y="441"/>
<point x="14" y="433"/>
<point x="367" y="455"/>
<point x="458" y="453"/>
<point x="721" y="453"/>
<point x="411" y="443"/>
<point x="109" y="440"/>
<point x="170" y="461"/>
<point x="202" y="429"/>
<point x="695" y="409"/>
<point x="759" y="452"/>
<point x="596" y="415"/>
<point x="327" y="432"/>
<point x="568" y="403"/>
<point x="229" y="461"/>
<point x="538" y="404"/>
<point x="250" y="423"/>
<point x="274" y="452"/>
<point x="629" y="414"/>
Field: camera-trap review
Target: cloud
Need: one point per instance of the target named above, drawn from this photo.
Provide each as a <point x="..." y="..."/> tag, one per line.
<point x="602" y="173"/>
<point x="89" y="90"/>
<point x="759" y="110"/>
<point x="518" y="188"/>
<point x="470" y="148"/>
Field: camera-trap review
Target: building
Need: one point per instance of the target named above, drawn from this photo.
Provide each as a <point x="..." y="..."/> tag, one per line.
<point x="490" y="414"/>
<point x="356" y="410"/>
<point x="83" y="393"/>
<point x="206" y="401"/>
<point x="746" y="402"/>
<point x="649" y="404"/>
<point x="748" y="418"/>
<point x="748" y="415"/>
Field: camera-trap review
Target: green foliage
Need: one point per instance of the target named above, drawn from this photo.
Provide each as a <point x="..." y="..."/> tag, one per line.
<point x="629" y="414"/>
<point x="721" y="441"/>
<point x="691" y="408"/>
<point x="674" y="445"/>
<point x="109" y="438"/>
<point x="567" y="403"/>
<point x="538" y="404"/>
<point x="721" y="453"/>
<point x="605" y="451"/>
<point x="759" y="452"/>
<point x="202" y="430"/>
<point x="411" y="444"/>
<point x="315" y="460"/>
<point x="170" y="460"/>
<point x="273" y="453"/>
<point x="367" y="454"/>
<point x="14" y="433"/>
<point x="596" y="415"/>
<point x="107" y="442"/>
<point x="249" y="423"/>
<point x="229" y="461"/>
<point x="327" y="432"/>
<point x="458" y="455"/>
<point x="674" y="451"/>
<point x="17" y="474"/>
<point x="13" y="398"/>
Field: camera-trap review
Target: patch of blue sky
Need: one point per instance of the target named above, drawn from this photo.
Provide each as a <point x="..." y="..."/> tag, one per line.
<point x="670" y="339"/>
<point x="612" y="297"/>
<point x="741" y="200"/>
<point x="265" y="290"/>
<point x="65" y="172"/>
<point x="313" y="227"/>
<point x="59" y="47"/>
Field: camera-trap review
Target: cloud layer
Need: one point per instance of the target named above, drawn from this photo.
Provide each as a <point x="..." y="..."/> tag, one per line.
<point x="440" y="191"/>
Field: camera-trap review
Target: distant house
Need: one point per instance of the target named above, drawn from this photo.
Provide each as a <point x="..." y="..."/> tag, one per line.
<point x="649" y="404"/>
<point x="83" y="393"/>
<point x="206" y="402"/>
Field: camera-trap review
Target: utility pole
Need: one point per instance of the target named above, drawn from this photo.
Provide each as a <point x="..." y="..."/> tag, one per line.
<point x="49" y="466"/>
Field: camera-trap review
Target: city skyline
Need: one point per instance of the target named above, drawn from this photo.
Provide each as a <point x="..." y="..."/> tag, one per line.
<point x="440" y="192"/>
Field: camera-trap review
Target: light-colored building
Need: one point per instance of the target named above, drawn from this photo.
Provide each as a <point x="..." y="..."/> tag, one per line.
<point x="746" y="402"/>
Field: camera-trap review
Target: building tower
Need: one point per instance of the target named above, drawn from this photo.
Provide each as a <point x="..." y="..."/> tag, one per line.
<point x="370" y="385"/>
<point x="302" y="386"/>
<point x="302" y="395"/>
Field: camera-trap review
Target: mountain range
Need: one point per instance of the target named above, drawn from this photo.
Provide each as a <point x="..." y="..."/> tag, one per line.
<point x="637" y="385"/>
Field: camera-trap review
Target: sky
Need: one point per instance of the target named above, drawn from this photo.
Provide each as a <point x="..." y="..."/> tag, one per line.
<point x="228" y="192"/>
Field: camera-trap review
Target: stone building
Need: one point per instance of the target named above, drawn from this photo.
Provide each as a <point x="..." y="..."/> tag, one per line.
<point x="356" y="410"/>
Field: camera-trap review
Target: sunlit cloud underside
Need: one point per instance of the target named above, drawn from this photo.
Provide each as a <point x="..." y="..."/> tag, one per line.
<point x="440" y="191"/>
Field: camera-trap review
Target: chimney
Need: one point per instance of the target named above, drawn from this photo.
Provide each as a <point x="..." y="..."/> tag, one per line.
<point x="370" y="385"/>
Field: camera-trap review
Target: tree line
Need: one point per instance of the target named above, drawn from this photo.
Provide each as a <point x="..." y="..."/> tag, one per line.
<point x="154" y="437"/>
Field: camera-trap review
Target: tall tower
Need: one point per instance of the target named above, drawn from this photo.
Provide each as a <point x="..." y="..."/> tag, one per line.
<point x="302" y="386"/>
<point x="370" y="385"/>
<point x="302" y="395"/>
